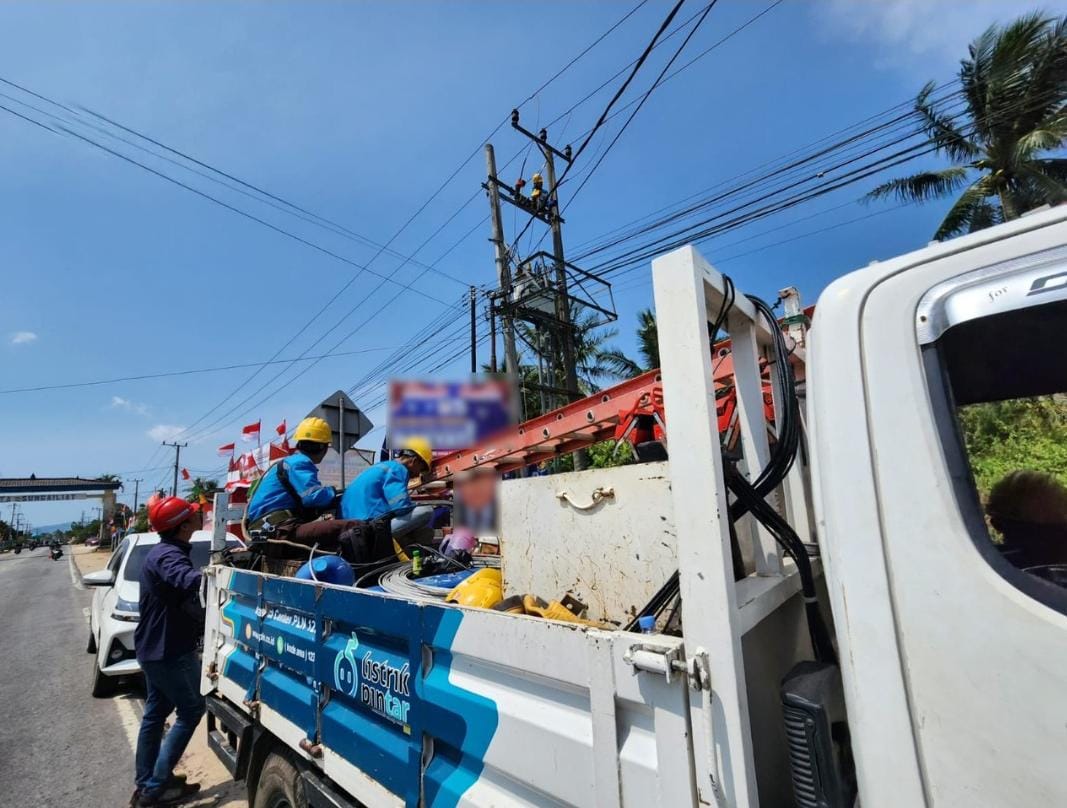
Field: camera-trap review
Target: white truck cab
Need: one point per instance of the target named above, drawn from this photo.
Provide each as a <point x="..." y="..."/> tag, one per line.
<point x="954" y="660"/>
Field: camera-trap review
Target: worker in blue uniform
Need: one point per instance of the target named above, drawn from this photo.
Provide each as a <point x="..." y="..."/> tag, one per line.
<point x="289" y="499"/>
<point x="382" y="490"/>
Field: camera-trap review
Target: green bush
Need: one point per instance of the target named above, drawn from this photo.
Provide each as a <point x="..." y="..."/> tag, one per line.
<point x="1027" y="433"/>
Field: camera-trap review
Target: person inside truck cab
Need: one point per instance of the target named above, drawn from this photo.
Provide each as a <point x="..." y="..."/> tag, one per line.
<point x="289" y="499"/>
<point x="1029" y="510"/>
<point x="383" y="490"/>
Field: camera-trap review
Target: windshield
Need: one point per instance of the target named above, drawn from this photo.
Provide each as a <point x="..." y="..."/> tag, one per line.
<point x="200" y="555"/>
<point x="136" y="561"/>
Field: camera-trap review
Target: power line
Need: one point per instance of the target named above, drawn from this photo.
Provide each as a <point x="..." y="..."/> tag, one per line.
<point x="603" y="115"/>
<point x="193" y="371"/>
<point x="642" y="101"/>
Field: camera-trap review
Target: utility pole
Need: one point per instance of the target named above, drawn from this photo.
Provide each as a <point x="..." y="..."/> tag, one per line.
<point x="474" y="331"/>
<point x="136" y="491"/>
<point x="177" y="455"/>
<point x="563" y="309"/>
<point x="492" y="335"/>
<point x="503" y="270"/>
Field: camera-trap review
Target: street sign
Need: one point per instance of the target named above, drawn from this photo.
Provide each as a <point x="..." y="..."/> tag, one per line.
<point x="346" y="420"/>
<point x="41" y="497"/>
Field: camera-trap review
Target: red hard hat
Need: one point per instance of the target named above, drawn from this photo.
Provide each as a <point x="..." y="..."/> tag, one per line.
<point x="169" y="512"/>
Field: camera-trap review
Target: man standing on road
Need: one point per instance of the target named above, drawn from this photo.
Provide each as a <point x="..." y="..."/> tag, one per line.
<point x="165" y="642"/>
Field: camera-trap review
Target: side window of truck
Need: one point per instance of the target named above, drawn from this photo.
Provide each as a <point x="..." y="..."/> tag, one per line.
<point x="998" y="379"/>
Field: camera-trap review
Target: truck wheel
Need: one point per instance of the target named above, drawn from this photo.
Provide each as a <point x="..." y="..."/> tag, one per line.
<point x="91" y="647"/>
<point x="103" y="685"/>
<point x="279" y="785"/>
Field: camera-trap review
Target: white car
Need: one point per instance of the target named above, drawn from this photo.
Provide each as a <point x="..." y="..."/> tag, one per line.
<point x="114" y="613"/>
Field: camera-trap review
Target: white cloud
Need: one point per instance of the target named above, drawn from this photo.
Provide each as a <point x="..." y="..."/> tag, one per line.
<point x="22" y="337"/>
<point x="917" y="36"/>
<point x="120" y="403"/>
<point x="162" y="432"/>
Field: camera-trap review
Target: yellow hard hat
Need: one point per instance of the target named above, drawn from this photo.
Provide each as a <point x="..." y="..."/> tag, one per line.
<point x="421" y="447"/>
<point x="483" y="590"/>
<point x="313" y="429"/>
<point x="536" y="178"/>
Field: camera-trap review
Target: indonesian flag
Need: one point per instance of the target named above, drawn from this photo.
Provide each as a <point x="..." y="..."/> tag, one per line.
<point x="250" y="432"/>
<point x="280" y="429"/>
<point x="277" y="452"/>
<point x="227" y="449"/>
<point x="186" y="475"/>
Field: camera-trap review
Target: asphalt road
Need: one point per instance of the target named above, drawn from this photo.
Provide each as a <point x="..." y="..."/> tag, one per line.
<point x="59" y="747"/>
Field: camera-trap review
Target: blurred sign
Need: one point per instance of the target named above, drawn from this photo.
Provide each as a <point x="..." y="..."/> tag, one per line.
<point x="451" y="415"/>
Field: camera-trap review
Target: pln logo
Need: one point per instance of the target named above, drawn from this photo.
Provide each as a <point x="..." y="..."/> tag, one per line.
<point x="344" y="667"/>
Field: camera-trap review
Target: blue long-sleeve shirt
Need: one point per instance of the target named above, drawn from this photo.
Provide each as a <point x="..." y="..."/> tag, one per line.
<point x="170" y="615"/>
<point x="303" y="476"/>
<point x="377" y="491"/>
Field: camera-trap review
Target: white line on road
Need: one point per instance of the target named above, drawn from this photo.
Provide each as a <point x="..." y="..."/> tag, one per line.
<point x="75" y="578"/>
<point x="131" y="721"/>
<point x="85" y="612"/>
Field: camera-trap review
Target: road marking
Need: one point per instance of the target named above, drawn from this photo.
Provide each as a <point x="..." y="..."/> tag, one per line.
<point x="75" y="578"/>
<point x="131" y="722"/>
<point x="85" y="612"/>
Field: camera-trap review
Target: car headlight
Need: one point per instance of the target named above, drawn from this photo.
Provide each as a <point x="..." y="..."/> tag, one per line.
<point x="126" y="611"/>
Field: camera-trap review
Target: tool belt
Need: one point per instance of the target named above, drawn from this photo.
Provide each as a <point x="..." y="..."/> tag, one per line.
<point x="276" y="519"/>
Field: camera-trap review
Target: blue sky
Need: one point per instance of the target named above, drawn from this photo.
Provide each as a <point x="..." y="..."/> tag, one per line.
<point x="358" y="112"/>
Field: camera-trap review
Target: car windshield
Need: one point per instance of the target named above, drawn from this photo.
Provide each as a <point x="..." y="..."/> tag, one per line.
<point x="135" y="562"/>
<point x="200" y="555"/>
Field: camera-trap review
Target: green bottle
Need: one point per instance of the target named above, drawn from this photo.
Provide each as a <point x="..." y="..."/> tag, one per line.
<point x="416" y="563"/>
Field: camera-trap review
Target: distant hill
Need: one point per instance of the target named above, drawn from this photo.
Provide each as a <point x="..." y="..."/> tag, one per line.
<point x="38" y="529"/>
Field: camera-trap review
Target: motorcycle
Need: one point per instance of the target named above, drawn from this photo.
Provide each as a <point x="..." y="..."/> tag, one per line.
<point x="56" y="553"/>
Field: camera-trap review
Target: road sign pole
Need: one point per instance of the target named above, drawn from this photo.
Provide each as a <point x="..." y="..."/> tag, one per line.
<point x="341" y="429"/>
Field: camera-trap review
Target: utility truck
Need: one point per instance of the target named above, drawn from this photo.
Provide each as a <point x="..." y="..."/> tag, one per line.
<point x="829" y="619"/>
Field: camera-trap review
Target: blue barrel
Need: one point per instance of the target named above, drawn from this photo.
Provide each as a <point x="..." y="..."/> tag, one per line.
<point x="329" y="570"/>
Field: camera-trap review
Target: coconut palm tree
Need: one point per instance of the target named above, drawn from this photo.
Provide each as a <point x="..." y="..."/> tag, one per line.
<point x="1014" y="84"/>
<point x="201" y="489"/>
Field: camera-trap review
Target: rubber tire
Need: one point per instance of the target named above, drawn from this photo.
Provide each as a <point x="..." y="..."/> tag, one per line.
<point x="279" y="785"/>
<point x="103" y="685"/>
<point x="91" y="647"/>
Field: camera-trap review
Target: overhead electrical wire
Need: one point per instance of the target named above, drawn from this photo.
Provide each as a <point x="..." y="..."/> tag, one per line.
<point x="641" y="103"/>
<point x="190" y="372"/>
<point x="744" y="213"/>
<point x="607" y="109"/>
<point x="305" y="211"/>
<point x="448" y="181"/>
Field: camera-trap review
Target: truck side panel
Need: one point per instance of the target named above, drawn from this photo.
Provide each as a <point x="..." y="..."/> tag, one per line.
<point x="503" y="709"/>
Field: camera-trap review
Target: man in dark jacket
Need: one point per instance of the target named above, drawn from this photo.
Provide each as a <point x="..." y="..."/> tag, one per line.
<point x="165" y="642"/>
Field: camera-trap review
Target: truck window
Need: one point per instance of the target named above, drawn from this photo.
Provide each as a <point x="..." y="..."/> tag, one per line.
<point x="1001" y="381"/>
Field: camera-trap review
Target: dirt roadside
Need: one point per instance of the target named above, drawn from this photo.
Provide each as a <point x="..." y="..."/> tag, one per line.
<point x="199" y="763"/>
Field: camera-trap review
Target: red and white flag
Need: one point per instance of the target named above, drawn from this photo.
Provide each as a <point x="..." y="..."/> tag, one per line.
<point x="280" y="429"/>
<point x="227" y="449"/>
<point x="186" y="475"/>
<point x="250" y="432"/>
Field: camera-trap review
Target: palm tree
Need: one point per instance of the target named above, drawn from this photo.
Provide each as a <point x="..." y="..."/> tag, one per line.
<point x="201" y="489"/>
<point x="595" y="361"/>
<point x="1014" y="84"/>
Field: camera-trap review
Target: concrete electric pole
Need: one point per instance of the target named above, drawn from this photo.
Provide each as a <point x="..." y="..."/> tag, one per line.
<point x="177" y="459"/>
